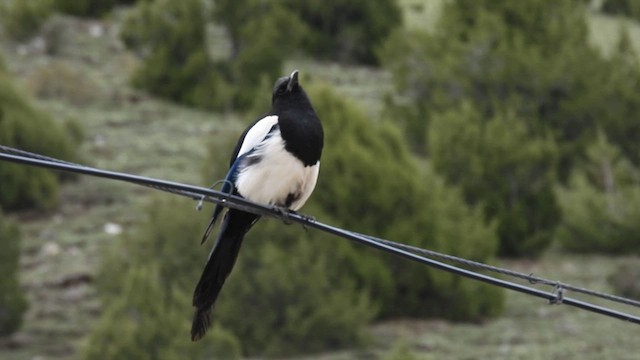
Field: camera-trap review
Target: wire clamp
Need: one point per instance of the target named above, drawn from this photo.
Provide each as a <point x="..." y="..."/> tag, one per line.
<point x="199" y="204"/>
<point x="212" y="187"/>
<point x="558" y="292"/>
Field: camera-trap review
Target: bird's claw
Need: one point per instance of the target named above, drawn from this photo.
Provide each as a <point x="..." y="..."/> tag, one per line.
<point x="285" y="214"/>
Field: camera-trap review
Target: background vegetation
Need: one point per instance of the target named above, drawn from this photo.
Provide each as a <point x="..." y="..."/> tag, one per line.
<point x="499" y="131"/>
<point x="28" y="128"/>
<point x="13" y="303"/>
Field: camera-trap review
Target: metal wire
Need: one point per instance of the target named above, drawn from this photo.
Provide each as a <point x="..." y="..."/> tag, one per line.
<point x="409" y="252"/>
<point x="516" y="274"/>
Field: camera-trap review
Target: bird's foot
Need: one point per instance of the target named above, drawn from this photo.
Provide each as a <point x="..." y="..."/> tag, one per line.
<point x="286" y="213"/>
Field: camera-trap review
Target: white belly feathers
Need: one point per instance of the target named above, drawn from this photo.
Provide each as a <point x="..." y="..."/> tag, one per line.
<point x="271" y="175"/>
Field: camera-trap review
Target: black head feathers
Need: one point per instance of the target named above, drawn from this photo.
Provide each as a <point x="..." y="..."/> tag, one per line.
<point x="286" y="85"/>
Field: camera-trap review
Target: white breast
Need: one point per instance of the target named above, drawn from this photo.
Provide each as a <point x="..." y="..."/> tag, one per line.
<point x="276" y="176"/>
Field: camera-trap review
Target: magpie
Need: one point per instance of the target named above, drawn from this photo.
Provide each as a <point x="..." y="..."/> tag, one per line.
<point x="275" y="162"/>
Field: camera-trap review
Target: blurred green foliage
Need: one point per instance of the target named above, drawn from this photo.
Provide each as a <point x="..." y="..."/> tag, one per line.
<point x="262" y="34"/>
<point x="27" y="128"/>
<point x="22" y="19"/>
<point x="290" y="294"/>
<point x="170" y="36"/>
<point x="346" y="30"/>
<point x="88" y="8"/>
<point x="601" y="203"/>
<point x="13" y="302"/>
<point x="145" y="283"/>
<point x="630" y="8"/>
<point x="530" y="54"/>
<point x="279" y="300"/>
<point x="528" y="60"/>
<point x="502" y="167"/>
<point x="371" y="183"/>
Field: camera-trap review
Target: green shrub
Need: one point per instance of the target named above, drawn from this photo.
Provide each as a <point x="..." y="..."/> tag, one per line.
<point x="22" y="19"/>
<point x="261" y="46"/>
<point x="289" y="295"/>
<point x="534" y="55"/>
<point x="614" y="102"/>
<point x="145" y="283"/>
<point x="369" y="182"/>
<point x="346" y="31"/>
<point x="170" y="37"/>
<point x="601" y="204"/>
<point x="502" y="167"/>
<point x="24" y="127"/>
<point x="13" y="302"/>
<point x="279" y="300"/>
<point x="531" y="60"/>
<point x="147" y="320"/>
<point x="88" y="8"/>
<point x="630" y="8"/>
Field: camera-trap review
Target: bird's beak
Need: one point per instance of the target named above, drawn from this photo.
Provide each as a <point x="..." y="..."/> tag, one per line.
<point x="293" y="81"/>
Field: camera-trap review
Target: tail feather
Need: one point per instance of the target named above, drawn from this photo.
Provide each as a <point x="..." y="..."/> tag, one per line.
<point x="201" y="322"/>
<point x="221" y="261"/>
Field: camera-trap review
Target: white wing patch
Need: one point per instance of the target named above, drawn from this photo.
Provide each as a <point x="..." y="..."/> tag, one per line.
<point x="257" y="133"/>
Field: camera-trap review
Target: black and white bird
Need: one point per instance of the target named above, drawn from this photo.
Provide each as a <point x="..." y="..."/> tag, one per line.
<point x="275" y="162"/>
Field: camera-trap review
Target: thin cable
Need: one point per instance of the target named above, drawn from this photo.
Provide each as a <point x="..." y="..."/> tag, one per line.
<point x="520" y="275"/>
<point x="528" y="277"/>
<point x="197" y="193"/>
<point x="27" y="154"/>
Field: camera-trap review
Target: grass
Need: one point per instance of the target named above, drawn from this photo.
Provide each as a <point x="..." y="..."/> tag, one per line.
<point x="129" y="131"/>
<point x="421" y="14"/>
<point x="530" y="329"/>
<point x="605" y="32"/>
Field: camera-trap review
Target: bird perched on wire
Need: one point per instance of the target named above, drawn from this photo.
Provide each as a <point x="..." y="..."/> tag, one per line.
<point x="275" y="162"/>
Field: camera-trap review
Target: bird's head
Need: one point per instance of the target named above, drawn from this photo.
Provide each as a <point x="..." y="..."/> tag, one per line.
<point x="286" y="86"/>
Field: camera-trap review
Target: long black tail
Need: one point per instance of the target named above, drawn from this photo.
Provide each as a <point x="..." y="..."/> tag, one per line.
<point x="221" y="260"/>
